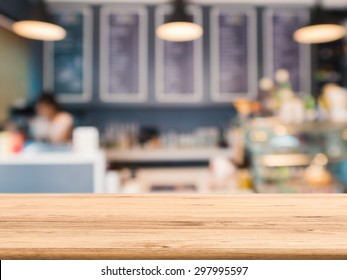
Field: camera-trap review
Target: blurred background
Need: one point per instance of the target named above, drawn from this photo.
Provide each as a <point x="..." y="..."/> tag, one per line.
<point x="173" y="96"/>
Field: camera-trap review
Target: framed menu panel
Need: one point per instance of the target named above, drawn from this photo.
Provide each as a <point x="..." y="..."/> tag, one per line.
<point x="178" y="64"/>
<point x="123" y="60"/>
<point x="281" y="51"/>
<point x="68" y="63"/>
<point x="233" y="53"/>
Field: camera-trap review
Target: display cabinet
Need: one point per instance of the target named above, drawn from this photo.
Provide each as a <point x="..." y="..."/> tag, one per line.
<point x="297" y="158"/>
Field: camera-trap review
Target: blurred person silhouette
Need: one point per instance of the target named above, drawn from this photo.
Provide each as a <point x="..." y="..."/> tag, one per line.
<point x="51" y="124"/>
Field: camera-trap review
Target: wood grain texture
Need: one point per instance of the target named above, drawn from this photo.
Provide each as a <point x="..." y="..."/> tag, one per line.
<point x="173" y="227"/>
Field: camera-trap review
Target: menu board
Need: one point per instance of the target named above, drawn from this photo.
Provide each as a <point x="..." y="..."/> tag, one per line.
<point x="282" y="52"/>
<point x="124" y="55"/>
<point x="233" y="53"/>
<point x="178" y="65"/>
<point x="68" y="62"/>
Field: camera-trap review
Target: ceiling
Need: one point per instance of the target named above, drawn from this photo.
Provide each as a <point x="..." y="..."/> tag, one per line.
<point x="328" y="3"/>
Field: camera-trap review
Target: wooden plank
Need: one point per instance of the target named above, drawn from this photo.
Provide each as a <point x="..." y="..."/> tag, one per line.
<point x="173" y="227"/>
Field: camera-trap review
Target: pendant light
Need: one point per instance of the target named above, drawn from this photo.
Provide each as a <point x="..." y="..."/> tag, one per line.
<point x="180" y="26"/>
<point x="39" y="25"/>
<point x="321" y="29"/>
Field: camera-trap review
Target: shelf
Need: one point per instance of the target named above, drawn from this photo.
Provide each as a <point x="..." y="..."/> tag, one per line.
<point x="166" y="155"/>
<point x="312" y="127"/>
<point x="290" y="160"/>
<point x="284" y="160"/>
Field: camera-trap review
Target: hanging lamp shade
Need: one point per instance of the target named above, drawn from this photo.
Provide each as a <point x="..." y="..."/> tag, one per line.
<point x="39" y="25"/>
<point x="180" y="26"/>
<point x="321" y="29"/>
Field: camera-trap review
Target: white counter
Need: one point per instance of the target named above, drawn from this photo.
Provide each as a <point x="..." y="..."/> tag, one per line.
<point x="39" y="172"/>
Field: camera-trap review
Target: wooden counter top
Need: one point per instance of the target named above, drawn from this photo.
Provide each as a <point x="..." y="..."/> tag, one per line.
<point x="173" y="227"/>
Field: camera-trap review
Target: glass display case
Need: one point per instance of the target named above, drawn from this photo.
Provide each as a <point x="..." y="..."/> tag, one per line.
<point x="297" y="158"/>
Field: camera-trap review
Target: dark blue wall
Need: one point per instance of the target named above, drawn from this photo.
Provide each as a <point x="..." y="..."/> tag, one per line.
<point x="14" y="9"/>
<point x="181" y="117"/>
